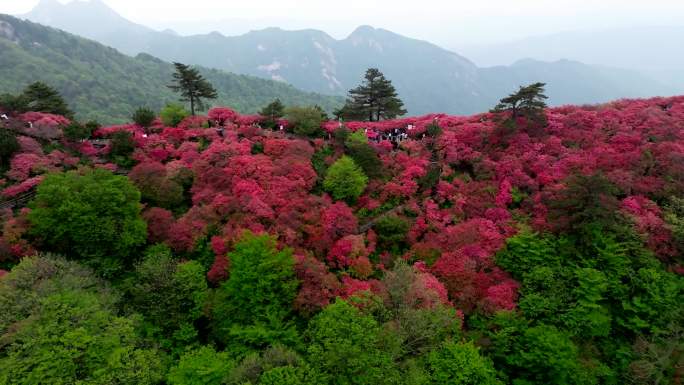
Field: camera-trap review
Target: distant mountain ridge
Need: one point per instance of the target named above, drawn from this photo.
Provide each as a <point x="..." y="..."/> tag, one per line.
<point x="648" y="49"/>
<point x="427" y="77"/>
<point x="103" y="84"/>
<point x="641" y="48"/>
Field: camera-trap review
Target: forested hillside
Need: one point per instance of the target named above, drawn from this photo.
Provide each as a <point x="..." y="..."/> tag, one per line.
<point x="521" y="246"/>
<point x="428" y="77"/>
<point x="103" y="84"/>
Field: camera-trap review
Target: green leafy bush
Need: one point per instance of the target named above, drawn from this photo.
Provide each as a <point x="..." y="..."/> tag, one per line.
<point x="143" y="117"/>
<point x="258" y="296"/>
<point x="344" y="346"/>
<point x="65" y="329"/>
<point x="92" y="215"/>
<point x="305" y="120"/>
<point x="345" y="180"/>
<point x="173" y="114"/>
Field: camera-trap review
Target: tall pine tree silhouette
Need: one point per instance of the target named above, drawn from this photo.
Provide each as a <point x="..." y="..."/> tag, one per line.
<point x="192" y="86"/>
<point x="374" y="100"/>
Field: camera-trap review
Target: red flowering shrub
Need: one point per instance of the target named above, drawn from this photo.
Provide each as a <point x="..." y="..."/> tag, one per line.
<point x="22" y="187"/>
<point x="29" y="145"/>
<point x="43" y="125"/>
<point x="221" y="115"/>
<point x="155" y="185"/>
<point x="318" y="287"/>
<point x="352" y="286"/>
<point x="24" y="165"/>
<point x="159" y="222"/>
<point x="338" y="220"/>
<point x="648" y="220"/>
<point x="485" y="185"/>
<point x="219" y="270"/>
<point x="13" y="245"/>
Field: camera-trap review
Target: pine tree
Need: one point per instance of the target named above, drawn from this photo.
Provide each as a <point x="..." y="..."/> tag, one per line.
<point x="272" y="112"/>
<point x="375" y="99"/>
<point x="41" y="97"/>
<point x="192" y="86"/>
<point x="527" y="102"/>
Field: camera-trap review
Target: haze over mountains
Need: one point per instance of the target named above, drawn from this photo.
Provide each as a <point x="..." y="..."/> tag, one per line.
<point x="655" y="50"/>
<point x="427" y="77"/>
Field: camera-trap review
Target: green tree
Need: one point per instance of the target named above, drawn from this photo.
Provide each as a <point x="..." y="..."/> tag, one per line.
<point x="674" y="216"/>
<point x="92" y="126"/>
<point x="420" y="324"/>
<point x="173" y="114"/>
<point x="598" y="288"/>
<point x="275" y="365"/>
<point x="392" y="232"/>
<point x="528" y="102"/>
<point x="545" y="355"/>
<point x="431" y="178"/>
<point x="76" y="131"/>
<point x="169" y="294"/>
<point x="590" y="316"/>
<point x="121" y="146"/>
<point x="374" y="100"/>
<point x="653" y="302"/>
<point x="192" y="86"/>
<point x="92" y="215"/>
<point x="357" y="147"/>
<point x="272" y="112"/>
<point x="253" y="308"/>
<point x="324" y="114"/>
<point x="287" y="375"/>
<point x="143" y="117"/>
<point x="345" y="347"/>
<point x="345" y="180"/>
<point x="63" y="329"/>
<point x="659" y="359"/>
<point x="460" y="363"/>
<point x="8" y="146"/>
<point x="203" y="366"/>
<point x="305" y="120"/>
<point x="587" y="199"/>
<point x="13" y="103"/>
<point x="40" y="97"/>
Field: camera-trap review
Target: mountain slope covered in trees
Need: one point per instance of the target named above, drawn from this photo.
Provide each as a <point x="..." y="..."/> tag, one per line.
<point x="428" y="78"/>
<point x="103" y="84"/>
<point x="527" y="245"/>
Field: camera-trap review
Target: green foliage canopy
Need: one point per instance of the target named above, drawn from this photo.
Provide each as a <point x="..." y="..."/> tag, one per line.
<point x="305" y="120"/>
<point x="91" y="215"/>
<point x="345" y="180"/>
<point x="253" y="309"/>
<point x="66" y="331"/>
<point x="344" y="346"/>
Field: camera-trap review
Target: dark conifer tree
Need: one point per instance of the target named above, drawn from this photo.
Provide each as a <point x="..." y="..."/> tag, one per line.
<point x="374" y="100"/>
<point x="528" y="102"/>
<point x="40" y="97"/>
<point x="272" y="112"/>
<point x="192" y="86"/>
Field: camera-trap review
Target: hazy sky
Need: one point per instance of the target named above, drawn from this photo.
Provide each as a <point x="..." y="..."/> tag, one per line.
<point x="446" y="22"/>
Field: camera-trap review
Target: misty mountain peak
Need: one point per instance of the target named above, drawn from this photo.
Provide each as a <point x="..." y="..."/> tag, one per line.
<point x="363" y="30"/>
<point x="75" y="10"/>
<point x="48" y="4"/>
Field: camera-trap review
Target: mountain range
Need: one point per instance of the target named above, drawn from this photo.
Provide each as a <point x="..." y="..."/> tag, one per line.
<point x="636" y="47"/>
<point x="103" y="84"/>
<point x="653" y="50"/>
<point x="427" y="77"/>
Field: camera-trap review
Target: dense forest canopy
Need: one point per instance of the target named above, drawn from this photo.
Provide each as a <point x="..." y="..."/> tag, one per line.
<point x="526" y="245"/>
